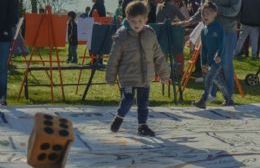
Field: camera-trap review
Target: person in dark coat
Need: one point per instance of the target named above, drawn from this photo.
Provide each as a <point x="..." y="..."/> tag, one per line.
<point x="168" y="11"/>
<point x="9" y="14"/>
<point x="72" y="38"/>
<point x="99" y="6"/>
<point x="87" y="12"/>
<point x="152" y="4"/>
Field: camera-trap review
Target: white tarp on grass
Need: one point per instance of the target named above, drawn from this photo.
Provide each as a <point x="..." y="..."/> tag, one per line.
<point x="186" y="137"/>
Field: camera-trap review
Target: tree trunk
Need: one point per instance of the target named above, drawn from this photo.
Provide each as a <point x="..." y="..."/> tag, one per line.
<point x="21" y="8"/>
<point x="34" y="6"/>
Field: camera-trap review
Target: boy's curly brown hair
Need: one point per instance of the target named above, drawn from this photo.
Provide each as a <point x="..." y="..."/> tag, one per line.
<point x="136" y="8"/>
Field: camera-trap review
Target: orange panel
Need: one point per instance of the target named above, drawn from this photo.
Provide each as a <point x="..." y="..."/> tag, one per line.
<point x="45" y="30"/>
<point x="103" y="20"/>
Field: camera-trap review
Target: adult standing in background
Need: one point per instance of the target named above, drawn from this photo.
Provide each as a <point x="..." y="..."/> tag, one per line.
<point x="183" y="8"/>
<point x="99" y="6"/>
<point x="253" y="33"/>
<point x="152" y="5"/>
<point x="8" y="18"/>
<point x="228" y="11"/>
<point x="124" y="4"/>
<point x="193" y="6"/>
<point x="86" y="13"/>
<point x="167" y="10"/>
<point x="118" y="15"/>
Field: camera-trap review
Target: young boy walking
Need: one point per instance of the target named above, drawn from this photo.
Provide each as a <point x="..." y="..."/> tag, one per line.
<point x="212" y="38"/>
<point x="72" y="38"/>
<point x="135" y="58"/>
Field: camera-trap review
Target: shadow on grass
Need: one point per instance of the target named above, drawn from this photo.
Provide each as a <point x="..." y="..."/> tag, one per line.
<point x="92" y="102"/>
<point x="242" y="112"/>
<point x="250" y="90"/>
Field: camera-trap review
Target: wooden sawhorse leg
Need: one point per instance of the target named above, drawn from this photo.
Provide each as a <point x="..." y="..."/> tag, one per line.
<point x="93" y="71"/>
<point x="239" y="86"/>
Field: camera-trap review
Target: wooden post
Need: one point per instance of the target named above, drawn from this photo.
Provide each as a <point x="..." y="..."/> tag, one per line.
<point x="30" y="60"/>
<point x="52" y="46"/>
<point x="80" y="72"/>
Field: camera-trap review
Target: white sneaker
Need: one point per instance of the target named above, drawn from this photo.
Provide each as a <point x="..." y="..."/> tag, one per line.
<point x="211" y="99"/>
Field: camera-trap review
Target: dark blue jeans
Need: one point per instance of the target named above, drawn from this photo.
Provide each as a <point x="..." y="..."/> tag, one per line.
<point x="4" y="54"/>
<point x="73" y="56"/>
<point x="227" y="62"/>
<point x="215" y="76"/>
<point x="127" y="101"/>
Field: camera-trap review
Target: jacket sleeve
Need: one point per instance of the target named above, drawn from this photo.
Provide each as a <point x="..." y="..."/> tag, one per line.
<point x="94" y="7"/>
<point x="161" y="66"/>
<point x="232" y="10"/>
<point x="176" y="12"/>
<point x="204" y="52"/>
<point x="13" y="14"/>
<point x="163" y="12"/>
<point x="75" y="33"/>
<point x="113" y="62"/>
<point x="159" y="14"/>
<point x="102" y="10"/>
<point x="69" y="31"/>
<point x="220" y="42"/>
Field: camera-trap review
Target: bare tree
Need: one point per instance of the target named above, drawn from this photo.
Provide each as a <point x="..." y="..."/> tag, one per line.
<point x="21" y="8"/>
<point x="56" y="5"/>
<point x="34" y="6"/>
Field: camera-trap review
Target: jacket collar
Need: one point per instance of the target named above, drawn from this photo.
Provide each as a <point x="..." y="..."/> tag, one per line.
<point x="129" y="29"/>
<point x="212" y="24"/>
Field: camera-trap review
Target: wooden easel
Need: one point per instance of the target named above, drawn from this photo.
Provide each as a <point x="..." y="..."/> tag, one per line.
<point x="87" y="54"/>
<point x="191" y="64"/>
<point x="84" y="58"/>
<point x="52" y="46"/>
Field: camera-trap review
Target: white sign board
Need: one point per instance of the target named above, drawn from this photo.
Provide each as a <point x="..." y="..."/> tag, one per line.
<point x="85" y="28"/>
<point x="195" y="34"/>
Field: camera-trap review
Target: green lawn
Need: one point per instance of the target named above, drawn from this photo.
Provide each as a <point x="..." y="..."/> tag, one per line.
<point x="109" y="95"/>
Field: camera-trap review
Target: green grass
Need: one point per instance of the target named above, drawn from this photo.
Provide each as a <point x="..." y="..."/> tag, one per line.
<point x="109" y="95"/>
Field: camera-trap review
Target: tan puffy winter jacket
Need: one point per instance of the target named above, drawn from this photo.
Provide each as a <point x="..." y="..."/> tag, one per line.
<point x="135" y="58"/>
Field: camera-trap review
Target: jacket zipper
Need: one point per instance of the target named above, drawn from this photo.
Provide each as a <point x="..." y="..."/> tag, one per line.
<point x="141" y="58"/>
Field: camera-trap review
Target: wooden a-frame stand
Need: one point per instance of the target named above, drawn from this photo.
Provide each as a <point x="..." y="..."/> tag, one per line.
<point x="52" y="47"/>
<point x="191" y="64"/>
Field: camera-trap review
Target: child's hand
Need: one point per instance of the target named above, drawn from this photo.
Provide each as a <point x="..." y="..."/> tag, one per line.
<point x="217" y="59"/>
<point x="205" y="69"/>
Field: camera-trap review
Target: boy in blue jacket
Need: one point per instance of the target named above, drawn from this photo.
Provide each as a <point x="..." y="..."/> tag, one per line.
<point x="212" y="38"/>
